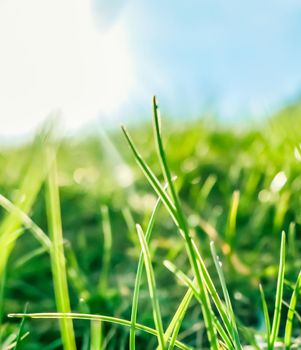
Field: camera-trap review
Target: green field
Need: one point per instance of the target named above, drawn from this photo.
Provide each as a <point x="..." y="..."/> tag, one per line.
<point x="70" y="243"/>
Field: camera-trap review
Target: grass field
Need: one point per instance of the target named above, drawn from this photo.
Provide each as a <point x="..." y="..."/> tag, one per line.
<point x="141" y="238"/>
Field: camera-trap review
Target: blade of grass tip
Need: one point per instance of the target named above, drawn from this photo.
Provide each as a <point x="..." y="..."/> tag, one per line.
<point x="152" y="288"/>
<point x="291" y="313"/>
<point x="279" y="294"/>
<point x="231" y="224"/>
<point x="171" y="208"/>
<point x="265" y="312"/>
<point x="21" y="327"/>
<point x="182" y="223"/>
<point x="231" y="316"/>
<point x="91" y="317"/>
<point x="107" y="250"/>
<point x="152" y="179"/>
<point x="58" y="263"/>
<point x="182" y="277"/>
<point x="135" y="301"/>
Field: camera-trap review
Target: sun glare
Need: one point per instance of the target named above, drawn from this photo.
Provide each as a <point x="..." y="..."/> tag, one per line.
<point x="53" y="57"/>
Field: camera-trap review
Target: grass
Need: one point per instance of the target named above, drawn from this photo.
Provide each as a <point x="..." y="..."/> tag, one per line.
<point x="57" y="256"/>
<point x="236" y="189"/>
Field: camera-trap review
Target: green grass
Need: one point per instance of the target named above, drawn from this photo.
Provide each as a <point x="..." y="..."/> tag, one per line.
<point x="152" y="288"/>
<point x="57" y="256"/>
<point x="171" y="287"/>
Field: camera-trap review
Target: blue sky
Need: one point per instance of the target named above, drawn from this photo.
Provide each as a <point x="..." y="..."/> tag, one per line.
<point x="243" y="56"/>
<point x="102" y="60"/>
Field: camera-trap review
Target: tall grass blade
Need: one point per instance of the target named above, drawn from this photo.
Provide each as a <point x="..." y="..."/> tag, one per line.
<point x="265" y="313"/>
<point x="152" y="288"/>
<point x="176" y="322"/>
<point x="291" y="313"/>
<point x="205" y="305"/>
<point x="193" y="287"/>
<point x="109" y="319"/>
<point x="135" y="300"/>
<point x="229" y="309"/>
<point x="213" y="293"/>
<point x="279" y="293"/>
<point x="58" y="263"/>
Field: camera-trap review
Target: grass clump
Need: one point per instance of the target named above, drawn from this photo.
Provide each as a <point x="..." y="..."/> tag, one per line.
<point x="93" y="277"/>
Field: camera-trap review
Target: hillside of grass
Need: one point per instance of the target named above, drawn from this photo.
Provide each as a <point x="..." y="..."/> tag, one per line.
<point x="237" y="186"/>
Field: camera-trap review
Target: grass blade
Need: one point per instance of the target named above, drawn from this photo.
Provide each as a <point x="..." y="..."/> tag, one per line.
<point x="292" y="240"/>
<point x="192" y="286"/>
<point x="265" y="312"/>
<point x="152" y="179"/>
<point x="58" y="259"/>
<point x="213" y="292"/>
<point x="205" y="305"/>
<point x="182" y="277"/>
<point x="152" y="288"/>
<point x="96" y="334"/>
<point x="90" y="317"/>
<point x="231" y="224"/>
<point x="107" y="248"/>
<point x="279" y="293"/>
<point x="135" y="301"/>
<point x="229" y="309"/>
<point x="291" y="313"/>
<point x="19" y="336"/>
<point x="29" y="189"/>
<point x="177" y="320"/>
<point x="37" y="232"/>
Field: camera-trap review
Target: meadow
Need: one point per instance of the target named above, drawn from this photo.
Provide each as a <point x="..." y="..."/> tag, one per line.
<point x="181" y="235"/>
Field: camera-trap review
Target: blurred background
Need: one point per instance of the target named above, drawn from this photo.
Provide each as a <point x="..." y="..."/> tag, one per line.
<point x="103" y="60"/>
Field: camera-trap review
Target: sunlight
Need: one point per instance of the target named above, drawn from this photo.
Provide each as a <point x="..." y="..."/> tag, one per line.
<point x="53" y="58"/>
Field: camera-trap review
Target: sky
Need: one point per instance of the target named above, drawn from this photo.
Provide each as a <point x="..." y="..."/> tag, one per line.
<point x="103" y="60"/>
